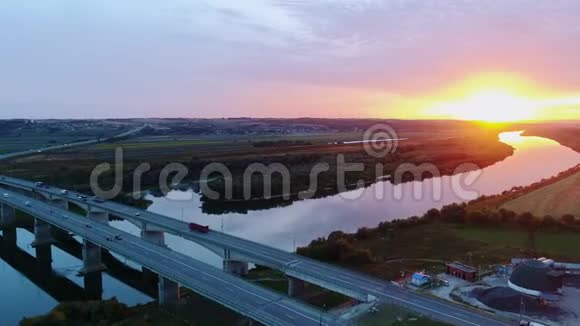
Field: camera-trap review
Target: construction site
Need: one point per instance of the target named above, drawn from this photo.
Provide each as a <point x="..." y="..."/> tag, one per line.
<point x="542" y="291"/>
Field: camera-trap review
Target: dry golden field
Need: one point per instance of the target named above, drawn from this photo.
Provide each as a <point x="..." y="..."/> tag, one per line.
<point x="557" y="199"/>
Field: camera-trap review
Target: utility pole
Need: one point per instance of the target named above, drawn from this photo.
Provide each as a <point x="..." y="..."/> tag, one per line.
<point x="522" y="307"/>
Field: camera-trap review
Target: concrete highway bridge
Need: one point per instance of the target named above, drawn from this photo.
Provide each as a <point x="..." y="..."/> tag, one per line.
<point x="142" y="281"/>
<point x="38" y="271"/>
<point x="248" y="299"/>
<point x="237" y="253"/>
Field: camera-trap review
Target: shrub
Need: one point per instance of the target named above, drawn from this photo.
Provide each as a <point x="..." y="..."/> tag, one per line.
<point x="526" y="219"/>
<point x="549" y="221"/>
<point x="432" y="214"/>
<point x="453" y="213"/>
<point x="568" y="219"/>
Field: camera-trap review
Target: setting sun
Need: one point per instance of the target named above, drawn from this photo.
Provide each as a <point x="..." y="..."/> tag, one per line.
<point x="496" y="97"/>
<point x="491" y="106"/>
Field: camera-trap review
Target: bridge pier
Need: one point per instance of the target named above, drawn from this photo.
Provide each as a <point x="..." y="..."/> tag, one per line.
<point x="59" y="202"/>
<point x="98" y="216"/>
<point x="44" y="256"/>
<point x="295" y="286"/>
<point x="155" y="237"/>
<point x="168" y="290"/>
<point x="94" y="285"/>
<point x="92" y="260"/>
<point x="7" y="215"/>
<point x="9" y="235"/>
<point x="236" y="267"/>
<point x="42" y="233"/>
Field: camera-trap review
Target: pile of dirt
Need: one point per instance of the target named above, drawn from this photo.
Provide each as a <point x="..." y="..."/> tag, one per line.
<point x="506" y="299"/>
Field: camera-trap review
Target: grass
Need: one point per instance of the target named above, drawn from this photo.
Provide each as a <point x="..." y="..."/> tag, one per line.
<point x="496" y="237"/>
<point x="426" y="247"/>
<point x="556" y="199"/>
<point x="10" y="144"/>
<point x="157" y="144"/>
<point x="559" y="244"/>
<point x="394" y="315"/>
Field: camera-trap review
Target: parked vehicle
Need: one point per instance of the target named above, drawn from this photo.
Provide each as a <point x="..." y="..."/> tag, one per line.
<point x="199" y="228"/>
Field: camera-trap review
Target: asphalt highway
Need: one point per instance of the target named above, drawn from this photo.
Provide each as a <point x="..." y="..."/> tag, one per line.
<point x="331" y="277"/>
<point x="253" y="301"/>
<point x="66" y="146"/>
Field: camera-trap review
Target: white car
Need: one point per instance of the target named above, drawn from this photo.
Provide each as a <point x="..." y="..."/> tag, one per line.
<point x="6" y="196"/>
<point x="27" y="204"/>
<point x="64" y="192"/>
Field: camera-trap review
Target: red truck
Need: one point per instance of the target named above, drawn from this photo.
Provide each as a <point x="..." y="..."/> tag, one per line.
<point x="199" y="228"/>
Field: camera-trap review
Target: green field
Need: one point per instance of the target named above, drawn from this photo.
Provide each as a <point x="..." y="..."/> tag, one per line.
<point x="556" y="243"/>
<point x="144" y="145"/>
<point x="9" y="144"/>
<point x="45" y="134"/>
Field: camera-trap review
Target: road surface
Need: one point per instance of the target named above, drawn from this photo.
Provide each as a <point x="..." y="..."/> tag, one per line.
<point x="325" y="275"/>
<point x="67" y="146"/>
<point x="251" y="300"/>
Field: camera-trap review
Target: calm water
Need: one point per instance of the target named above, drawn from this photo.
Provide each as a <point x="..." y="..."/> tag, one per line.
<point x="20" y="297"/>
<point x="534" y="158"/>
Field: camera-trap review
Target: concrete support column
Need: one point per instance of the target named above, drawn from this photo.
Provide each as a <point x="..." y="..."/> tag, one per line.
<point x="94" y="285"/>
<point x="59" y="202"/>
<point x="10" y="237"/>
<point x="7" y="215"/>
<point x="295" y="286"/>
<point x="168" y="290"/>
<point x="150" y="278"/>
<point x="98" y="216"/>
<point x="155" y="237"/>
<point x="92" y="261"/>
<point x="236" y="267"/>
<point x="44" y="256"/>
<point x="42" y="233"/>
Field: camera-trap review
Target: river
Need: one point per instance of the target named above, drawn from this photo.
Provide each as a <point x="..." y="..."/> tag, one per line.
<point x="286" y="227"/>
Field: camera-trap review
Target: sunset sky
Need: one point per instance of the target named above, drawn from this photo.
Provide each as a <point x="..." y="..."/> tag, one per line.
<point x="490" y="60"/>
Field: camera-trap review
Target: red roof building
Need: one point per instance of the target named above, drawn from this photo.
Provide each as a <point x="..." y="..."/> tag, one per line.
<point x="462" y="271"/>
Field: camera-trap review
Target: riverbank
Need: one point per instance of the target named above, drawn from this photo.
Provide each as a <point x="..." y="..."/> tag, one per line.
<point x="553" y="196"/>
<point x="112" y="312"/>
<point x="479" y="237"/>
<point x="566" y="134"/>
<point x="72" y="169"/>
